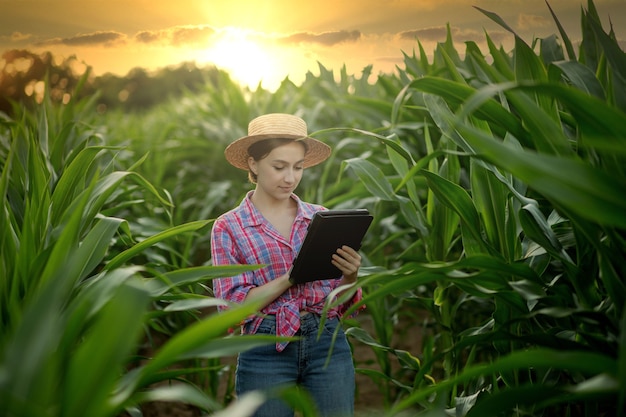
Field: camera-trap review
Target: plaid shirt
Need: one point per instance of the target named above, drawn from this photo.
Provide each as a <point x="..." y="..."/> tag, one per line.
<point x="243" y="236"/>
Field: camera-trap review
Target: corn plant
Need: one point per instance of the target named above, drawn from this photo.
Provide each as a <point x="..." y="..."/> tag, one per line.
<point x="519" y="238"/>
<point x="79" y="287"/>
<point x="497" y="186"/>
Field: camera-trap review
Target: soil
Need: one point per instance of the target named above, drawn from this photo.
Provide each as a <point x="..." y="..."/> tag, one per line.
<point x="370" y="401"/>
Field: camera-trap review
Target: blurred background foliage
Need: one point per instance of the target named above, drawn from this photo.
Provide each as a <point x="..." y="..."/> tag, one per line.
<point x="493" y="273"/>
<point x="24" y="74"/>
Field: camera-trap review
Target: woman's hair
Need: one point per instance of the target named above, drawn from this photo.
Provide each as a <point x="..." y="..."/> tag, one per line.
<point x="262" y="148"/>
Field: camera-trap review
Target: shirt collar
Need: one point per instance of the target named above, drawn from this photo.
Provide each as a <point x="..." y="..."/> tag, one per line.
<point x="253" y="217"/>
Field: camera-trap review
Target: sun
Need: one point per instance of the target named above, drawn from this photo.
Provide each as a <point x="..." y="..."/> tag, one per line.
<point x="244" y="56"/>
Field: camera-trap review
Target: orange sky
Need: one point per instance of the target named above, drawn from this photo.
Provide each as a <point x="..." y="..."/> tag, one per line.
<point x="271" y="39"/>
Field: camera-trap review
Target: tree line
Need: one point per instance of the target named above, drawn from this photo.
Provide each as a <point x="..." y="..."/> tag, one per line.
<point x="26" y="76"/>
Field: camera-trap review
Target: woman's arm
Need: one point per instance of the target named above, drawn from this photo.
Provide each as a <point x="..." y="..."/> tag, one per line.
<point x="346" y="259"/>
<point x="269" y="291"/>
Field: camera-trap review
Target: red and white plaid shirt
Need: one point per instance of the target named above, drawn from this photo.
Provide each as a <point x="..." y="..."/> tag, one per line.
<point x="243" y="236"/>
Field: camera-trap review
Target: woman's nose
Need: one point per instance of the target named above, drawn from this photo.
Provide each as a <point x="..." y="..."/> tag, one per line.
<point x="290" y="176"/>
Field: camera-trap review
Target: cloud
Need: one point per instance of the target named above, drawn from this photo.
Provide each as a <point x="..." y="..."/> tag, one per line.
<point x="529" y="21"/>
<point x="189" y="35"/>
<point x="324" y="38"/>
<point x="177" y="35"/>
<point x="439" y="33"/>
<point x="19" y="37"/>
<point x="390" y="59"/>
<point x="16" y="38"/>
<point x="427" y="34"/>
<point x="106" y="38"/>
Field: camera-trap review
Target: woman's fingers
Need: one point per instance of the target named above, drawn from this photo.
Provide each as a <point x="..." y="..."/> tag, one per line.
<point x="347" y="260"/>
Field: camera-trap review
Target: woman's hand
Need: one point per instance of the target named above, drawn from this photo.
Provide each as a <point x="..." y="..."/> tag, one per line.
<point x="348" y="261"/>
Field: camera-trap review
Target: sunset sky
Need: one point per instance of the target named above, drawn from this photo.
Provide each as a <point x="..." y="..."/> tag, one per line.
<point x="268" y="40"/>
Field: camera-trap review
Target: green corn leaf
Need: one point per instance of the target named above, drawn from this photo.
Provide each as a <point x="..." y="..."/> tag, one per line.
<point x="537" y="229"/>
<point x="414" y="216"/>
<point x="502" y="401"/>
<point x="577" y="75"/>
<point x="450" y="63"/>
<point x="528" y="66"/>
<point x="29" y="357"/>
<point x="193" y="337"/>
<point x="91" y="297"/>
<point x="160" y="285"/>
<point x="501" y="62"/>
<point x="489" y="109"/>
<point x="106" y="186"/>
<point x="551" y="50"/>
<point x="103" y="352"/>
<point x="593" y="116"/>
<point x="372" y="177"/>
<point x="178" y="392"/>
<point x="394" y="283"/>
<point x="457" y="199"/>
<point x="124" y="256"/>
<point x="68" y="185"/>
<point x="196" y="302"/>
<point x="496" y="211"/>
<point x="587" y="362"/>
<point x="613" y="281"/>
<point x="229" y="346"/>
<point x="95" y="245"/>
<point x="570" y="183"/>
<point x="248" y="403"/>
<point x="610" y="49"/>
<point x="405" y="358"/>
<point x="496" y="18"/>
<point x="566" y="40"/>
<point x="544" y="127"/>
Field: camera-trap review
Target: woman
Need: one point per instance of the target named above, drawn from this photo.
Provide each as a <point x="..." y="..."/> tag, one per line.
<point x="268" y="227"/>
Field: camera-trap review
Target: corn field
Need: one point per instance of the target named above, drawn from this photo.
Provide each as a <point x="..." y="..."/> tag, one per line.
<point x="497" y="180"/>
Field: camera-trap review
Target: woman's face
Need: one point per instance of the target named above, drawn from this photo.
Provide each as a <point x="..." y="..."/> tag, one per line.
<point x="280" y="172"/>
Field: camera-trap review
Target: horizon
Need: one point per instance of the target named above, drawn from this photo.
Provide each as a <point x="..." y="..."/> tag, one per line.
<point x="277" y="40"/>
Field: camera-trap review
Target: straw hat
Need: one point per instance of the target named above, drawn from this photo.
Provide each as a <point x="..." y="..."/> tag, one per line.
<point x="276" y="125"/>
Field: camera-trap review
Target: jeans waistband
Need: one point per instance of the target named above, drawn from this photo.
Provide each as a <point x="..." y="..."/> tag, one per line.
<point x="307" y="319"/>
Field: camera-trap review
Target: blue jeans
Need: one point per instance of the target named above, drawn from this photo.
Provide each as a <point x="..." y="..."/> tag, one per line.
<point x="301" y="363"/>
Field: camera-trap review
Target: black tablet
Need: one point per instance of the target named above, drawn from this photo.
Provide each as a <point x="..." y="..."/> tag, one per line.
<point x="328" y="231"/>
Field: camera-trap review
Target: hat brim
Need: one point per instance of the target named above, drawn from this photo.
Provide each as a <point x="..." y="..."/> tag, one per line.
<point x="237" y="152"/>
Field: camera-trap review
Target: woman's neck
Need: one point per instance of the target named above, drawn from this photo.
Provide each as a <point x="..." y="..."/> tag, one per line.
<point x="264" y="202"/>
<point x="280" y="213"/>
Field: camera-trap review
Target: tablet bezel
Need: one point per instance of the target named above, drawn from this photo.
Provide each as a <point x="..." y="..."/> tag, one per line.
<point x="328" y="230"/>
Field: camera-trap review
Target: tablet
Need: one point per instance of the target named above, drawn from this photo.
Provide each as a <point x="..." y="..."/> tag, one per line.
<point x="328" y="231"/>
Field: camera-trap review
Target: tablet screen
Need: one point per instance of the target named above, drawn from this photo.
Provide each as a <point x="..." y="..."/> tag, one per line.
<point x="328" y="231"/>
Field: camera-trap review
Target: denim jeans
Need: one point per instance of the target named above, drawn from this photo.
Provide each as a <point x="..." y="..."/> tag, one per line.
<point x="301" y="363"/>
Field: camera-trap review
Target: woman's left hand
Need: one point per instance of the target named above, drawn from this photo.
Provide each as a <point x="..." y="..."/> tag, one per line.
<point x="348" y="261"/>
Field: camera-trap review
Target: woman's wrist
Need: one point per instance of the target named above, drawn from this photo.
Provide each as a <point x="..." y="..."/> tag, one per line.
<point x="347" y="281"/>
<point x="291" y="281"/>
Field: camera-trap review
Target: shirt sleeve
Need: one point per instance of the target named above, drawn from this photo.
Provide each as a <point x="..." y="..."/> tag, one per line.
<point x="224" y="251"/>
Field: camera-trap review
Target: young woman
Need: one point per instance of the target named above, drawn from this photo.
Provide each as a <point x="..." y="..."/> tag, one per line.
<point x="268" y="227"/>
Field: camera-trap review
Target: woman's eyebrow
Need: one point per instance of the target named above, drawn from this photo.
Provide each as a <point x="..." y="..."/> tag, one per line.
<point x="281" y="161"/>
